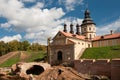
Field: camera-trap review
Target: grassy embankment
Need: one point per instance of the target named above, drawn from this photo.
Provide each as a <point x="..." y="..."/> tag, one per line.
<point x="102" y="53"/>
<point x="29" y="57"/>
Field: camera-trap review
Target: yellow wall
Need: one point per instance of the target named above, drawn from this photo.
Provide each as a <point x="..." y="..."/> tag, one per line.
<point x="110" y="42"/>
<point x="80" y="45"/>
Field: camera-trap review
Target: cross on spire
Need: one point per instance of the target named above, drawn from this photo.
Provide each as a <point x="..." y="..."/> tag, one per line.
<point x="86" y="5"/>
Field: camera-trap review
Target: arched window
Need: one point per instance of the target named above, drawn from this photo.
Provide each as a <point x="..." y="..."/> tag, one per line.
<point x="90" y="29"/>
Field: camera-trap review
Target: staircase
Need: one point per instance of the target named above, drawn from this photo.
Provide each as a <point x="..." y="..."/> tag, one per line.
<point x="81" y="52"/>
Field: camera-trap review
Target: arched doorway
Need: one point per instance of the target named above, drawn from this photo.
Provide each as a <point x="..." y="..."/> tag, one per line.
<point x="59" y="57"/>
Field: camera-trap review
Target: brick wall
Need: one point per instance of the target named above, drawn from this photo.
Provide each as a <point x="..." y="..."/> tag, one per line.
<point x="99" y="67"/>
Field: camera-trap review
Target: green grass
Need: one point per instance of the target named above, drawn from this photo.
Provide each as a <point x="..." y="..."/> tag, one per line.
<point x="31" y="57"/>
<point x="11" y="61"/>
<point x="102" y="53"/>
<point x="35" y="56"/>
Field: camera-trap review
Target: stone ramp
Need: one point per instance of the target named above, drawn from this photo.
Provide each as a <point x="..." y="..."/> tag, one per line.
<point x="7" y="56"/>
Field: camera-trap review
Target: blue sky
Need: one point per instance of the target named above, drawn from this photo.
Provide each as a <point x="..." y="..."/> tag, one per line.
<point x="35" y="20"/>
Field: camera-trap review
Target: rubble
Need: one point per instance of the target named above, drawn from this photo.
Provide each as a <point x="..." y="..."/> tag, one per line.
<point x="24" y="69"/>
<point x="60" y="73"/>
<point x="43" y="71"/>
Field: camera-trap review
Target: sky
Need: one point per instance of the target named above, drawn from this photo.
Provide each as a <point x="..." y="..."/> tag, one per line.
<point x="36" y="20"/>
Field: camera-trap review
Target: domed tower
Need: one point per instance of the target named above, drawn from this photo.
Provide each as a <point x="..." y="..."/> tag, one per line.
<point x="88" y="27"/>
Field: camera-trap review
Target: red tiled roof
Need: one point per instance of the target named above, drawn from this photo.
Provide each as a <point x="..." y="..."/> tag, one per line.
<point x="81" y="37"/>
<point x="67" y="34"/>
<point x="109" y="36"/>
<point x="71" y="41"/>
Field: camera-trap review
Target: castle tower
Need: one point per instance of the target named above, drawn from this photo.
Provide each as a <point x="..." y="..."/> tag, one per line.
<point x="88" y="27"/>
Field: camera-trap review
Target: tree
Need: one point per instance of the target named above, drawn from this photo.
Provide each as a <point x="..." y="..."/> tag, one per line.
<point x="25" y="45"/>
<point x="37" y="47"/>
<point x="3" y="48"/>
<point x="18" y="46"/>
<point x="14" y="45"/>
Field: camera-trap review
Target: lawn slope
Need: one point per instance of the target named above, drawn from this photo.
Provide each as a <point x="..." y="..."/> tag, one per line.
<point x="23" y="56"/>
<point x="102" y="53"/>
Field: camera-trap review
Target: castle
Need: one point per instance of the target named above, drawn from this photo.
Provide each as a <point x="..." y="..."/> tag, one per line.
<point x="69" y="45"/>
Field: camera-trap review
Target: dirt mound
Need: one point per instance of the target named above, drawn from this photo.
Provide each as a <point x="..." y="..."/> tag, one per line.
<point x="60" y="73"/>
<point x="53" y="73"/>
<point x="12" y="78"/>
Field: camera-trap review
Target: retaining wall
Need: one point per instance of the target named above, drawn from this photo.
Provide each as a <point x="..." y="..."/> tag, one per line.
<point x="110" y="68"/>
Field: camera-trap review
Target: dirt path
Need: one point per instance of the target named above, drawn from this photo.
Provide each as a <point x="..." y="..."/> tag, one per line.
<point x="7" y="56"/>
<point x="23" y="56"/>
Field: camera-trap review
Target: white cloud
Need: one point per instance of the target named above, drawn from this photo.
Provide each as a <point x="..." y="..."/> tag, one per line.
<point x="5" y="25"/>
<point x="105" y="29"/>
<point x="31" y="20"/>
<point x="6" y="39"/>
<point x="41" y="36"/>
<point x="70" y="4"/>
<point x="39" y="5"/>
<point x="28" y="0"/>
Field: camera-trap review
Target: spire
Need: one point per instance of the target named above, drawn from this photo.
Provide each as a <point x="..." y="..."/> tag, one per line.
<point x="77" y="29"/>
<point x="65" y="26"/>
<point x="87" y="18"/>
<point x="87" y="14"/>
<point x="71" y="29"/>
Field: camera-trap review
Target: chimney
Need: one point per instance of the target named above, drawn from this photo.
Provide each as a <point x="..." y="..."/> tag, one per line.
<point x="78" y="29"/>
<point x="71" y="29"/>
<point x="65" y="26"/>
<point x="111" y="31"/>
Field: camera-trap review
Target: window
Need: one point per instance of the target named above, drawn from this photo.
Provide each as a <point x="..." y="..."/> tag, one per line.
<point x="84" y="29"/>
<point x="88" y="45"/>
<point x="90" y="36"/>
<point x="90" y="29"/>
<point x="59" y="34"/>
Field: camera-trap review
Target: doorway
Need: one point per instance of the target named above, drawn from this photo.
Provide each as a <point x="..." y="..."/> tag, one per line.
<point x="88" y="45"/>
<point x="59" y="56"/>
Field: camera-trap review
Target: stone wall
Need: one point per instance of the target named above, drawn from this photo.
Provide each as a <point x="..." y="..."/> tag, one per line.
<point x="99" y="67"/>
<point x="115" y="69"/>
<point x="66" y="51"/>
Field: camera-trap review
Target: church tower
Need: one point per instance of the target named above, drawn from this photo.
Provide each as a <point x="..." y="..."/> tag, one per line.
<point x="88" y="27"/>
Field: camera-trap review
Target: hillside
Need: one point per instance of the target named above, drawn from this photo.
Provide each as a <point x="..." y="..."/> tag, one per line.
<point x="7" y="56"/>
<point x="20" y="56"/>
<point x="102" y="53"/>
